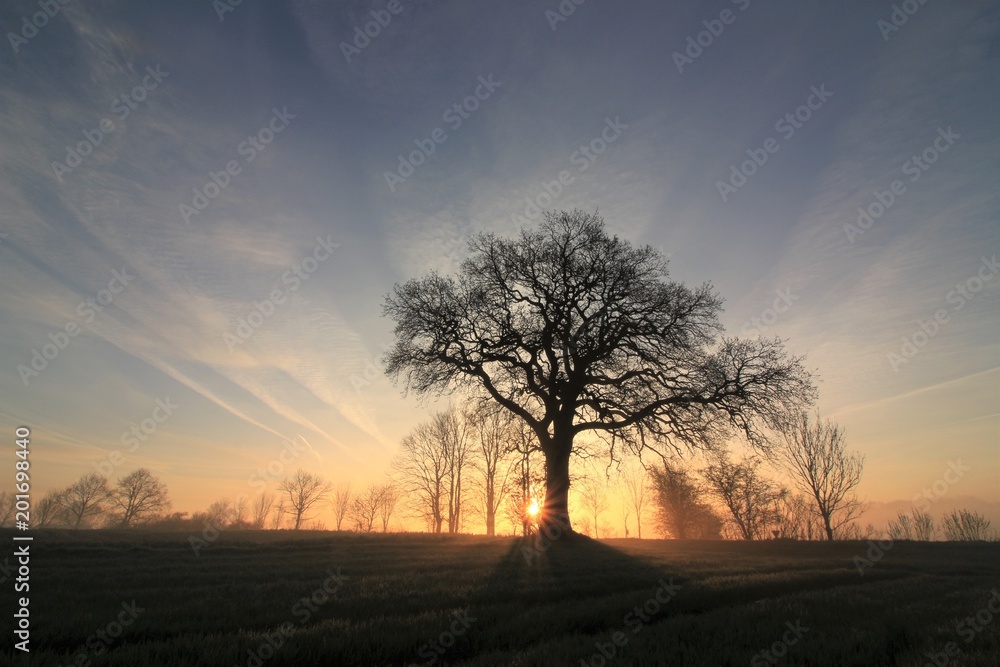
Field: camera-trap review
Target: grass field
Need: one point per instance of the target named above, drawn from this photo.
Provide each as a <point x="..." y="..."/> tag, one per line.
<point x="135" y="599"/>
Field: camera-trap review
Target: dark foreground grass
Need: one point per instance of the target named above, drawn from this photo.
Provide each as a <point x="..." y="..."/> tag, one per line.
<point x="421" y="599"/>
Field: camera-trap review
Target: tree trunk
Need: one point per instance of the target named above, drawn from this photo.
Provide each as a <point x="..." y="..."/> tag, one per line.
<point x="556" y="512"/>
<point x="828" y="528"/>
<point x="490" y="513"/>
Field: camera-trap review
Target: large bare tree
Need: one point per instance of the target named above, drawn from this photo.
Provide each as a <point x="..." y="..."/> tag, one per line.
<point x="816" y="456"/>
<point x="574" y="330"/>
<point x="303" y="491"/>
<point x="138" y="497"/>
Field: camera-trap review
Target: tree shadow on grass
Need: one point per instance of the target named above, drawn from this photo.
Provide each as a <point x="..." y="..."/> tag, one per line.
<point x="540" y="589"/>
<point x="572" y="566"/>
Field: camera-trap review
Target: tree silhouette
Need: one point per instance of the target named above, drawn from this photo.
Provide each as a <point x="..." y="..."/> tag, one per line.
<point x="681" y="510"/>
<point x="138" y="497"/>
<point x="816" y="455"/>
<point x="85" y="499"/>
<point x="576" y="331"/>
<point x="303" y="491"/>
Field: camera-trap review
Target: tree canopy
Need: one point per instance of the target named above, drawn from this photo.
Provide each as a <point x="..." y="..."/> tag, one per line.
<point x="574" y="330"/>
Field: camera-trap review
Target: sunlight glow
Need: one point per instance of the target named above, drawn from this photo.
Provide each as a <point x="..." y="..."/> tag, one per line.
<point x="533" y="508"/>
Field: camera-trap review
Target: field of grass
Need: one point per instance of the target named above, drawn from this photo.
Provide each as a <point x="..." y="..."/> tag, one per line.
<point x="278" y="598"/>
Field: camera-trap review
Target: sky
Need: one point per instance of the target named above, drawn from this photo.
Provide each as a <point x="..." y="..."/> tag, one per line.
<point x="203" y="205"/>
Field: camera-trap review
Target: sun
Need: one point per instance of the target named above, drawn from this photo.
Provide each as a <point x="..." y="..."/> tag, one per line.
<point x="533" y="508"/>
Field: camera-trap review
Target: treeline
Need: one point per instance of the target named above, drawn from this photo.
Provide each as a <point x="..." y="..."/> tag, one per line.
<point x="135" y="499"/>
<point x="476" y="466"/>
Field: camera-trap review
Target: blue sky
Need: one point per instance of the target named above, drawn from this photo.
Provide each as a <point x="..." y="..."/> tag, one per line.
<point x="311" y="220"/>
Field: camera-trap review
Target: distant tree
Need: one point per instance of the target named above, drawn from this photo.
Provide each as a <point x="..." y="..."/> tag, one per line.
<point x="138" y="497"/>
<point x="816" y="456"/>
<point x="794" y="517"/>
<point x="279" y="514"/>
<point x="594" y="501"/>
<point x="574" y="330"/>
<point x="635" y="494"/>
<point x="303" y="491"/>
<point x="389" y="495"/>
<point x="626" y="512"/>
<point x="241" y="513"/>
<point x="854" y="531"/>
<point x="8" y="501"/>
<point x="340" y="501"/>
<point x="746" y="494"/>
<point x="966" y="526"/>
<point x="900" y="528"/>
<point x="923" y="526"/>
<point x="49" y="510"/>
<point x="524" y="478"/>
<point x="263" y="503"/>
<point x="219" y="514"/>
<point x="493" y="445"/>
<point x="85" y="499"/>
<point x="365" y="508"/>
<point x="681" y="510"/>
<point x="177" y="521"/>
<point x="455" y="433"/>
<point x="424" y="468"/>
